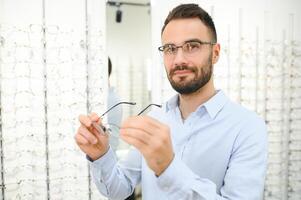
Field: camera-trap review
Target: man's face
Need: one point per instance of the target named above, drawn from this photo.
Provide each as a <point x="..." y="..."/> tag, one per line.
<point x="188" y="71"/>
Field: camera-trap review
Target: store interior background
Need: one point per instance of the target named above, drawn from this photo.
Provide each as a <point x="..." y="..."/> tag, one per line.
<point x="53" y="66"/>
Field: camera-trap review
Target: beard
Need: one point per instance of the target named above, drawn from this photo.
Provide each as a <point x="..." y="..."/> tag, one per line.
<point x="202" y="76"/>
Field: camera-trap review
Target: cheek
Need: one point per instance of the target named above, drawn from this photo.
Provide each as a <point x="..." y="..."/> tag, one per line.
<point x="168" y="66"/>
<point x="204" y="60"/>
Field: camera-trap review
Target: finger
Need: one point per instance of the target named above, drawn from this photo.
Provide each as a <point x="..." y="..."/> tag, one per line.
<point x="85" y="120"/>
<point x="138" y="134"/>
<point x="154" y="124"/>
<point x="90" y="137"/>
<point x="134" y="142"/>
<point x="94" y="117"/>
<point x="96" y="122"/>
<point x="152" y="121"/>
<point x="80" y="140"/>
<point x="99" y="129"/>
<point x="89" y="122"/>
<point x="99" y="121"/>
<point x="143" y="123"/>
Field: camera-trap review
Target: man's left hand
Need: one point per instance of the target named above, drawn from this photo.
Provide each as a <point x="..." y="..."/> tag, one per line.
<point x="151" y="138"/>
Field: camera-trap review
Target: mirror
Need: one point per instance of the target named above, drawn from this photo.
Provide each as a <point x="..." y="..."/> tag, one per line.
<point x="128" y="31"/>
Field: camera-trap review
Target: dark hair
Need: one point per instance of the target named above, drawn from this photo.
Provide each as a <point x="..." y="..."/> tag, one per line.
<point x="185" y="11"/>
<point x="109" y="66"/>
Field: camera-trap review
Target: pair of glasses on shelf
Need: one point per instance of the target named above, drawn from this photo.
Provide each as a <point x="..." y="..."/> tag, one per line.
<point x="109" y="127"/>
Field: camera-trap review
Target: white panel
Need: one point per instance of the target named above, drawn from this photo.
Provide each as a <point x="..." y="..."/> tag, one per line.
<point x="22" y="100"/>
<point x="46" y="83"/>
<point x="66" y="68"/>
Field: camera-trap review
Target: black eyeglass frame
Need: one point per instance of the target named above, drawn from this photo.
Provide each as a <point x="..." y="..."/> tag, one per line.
<point x="162" y="48"/>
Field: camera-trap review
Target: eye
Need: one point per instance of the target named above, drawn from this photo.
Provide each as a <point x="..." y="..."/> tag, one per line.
<point x="192" y="46"/>
<point x="170" y="49"/>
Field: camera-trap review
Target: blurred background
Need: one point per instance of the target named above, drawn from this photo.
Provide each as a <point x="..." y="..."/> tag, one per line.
<point x="53" y="66"/>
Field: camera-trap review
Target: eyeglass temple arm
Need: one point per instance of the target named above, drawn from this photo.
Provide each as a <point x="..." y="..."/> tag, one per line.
<point x="122" y="102"/>
<point x="152" y="104"/>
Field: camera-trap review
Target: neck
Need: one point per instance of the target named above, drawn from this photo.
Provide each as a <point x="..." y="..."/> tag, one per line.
<point x="188" y="103"/>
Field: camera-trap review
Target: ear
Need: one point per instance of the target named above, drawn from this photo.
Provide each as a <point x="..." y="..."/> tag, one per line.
<point x="215" y="53"/>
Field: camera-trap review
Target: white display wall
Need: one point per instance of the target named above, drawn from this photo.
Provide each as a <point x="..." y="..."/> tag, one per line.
<point x="53" y="67"/>
<point x="259" y="67"/>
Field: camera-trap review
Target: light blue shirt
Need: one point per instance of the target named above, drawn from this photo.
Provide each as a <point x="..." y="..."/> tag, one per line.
<point x="220" y="153"/>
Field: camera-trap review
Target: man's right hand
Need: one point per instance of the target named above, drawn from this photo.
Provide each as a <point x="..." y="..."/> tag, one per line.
<point x="89" y="140"/>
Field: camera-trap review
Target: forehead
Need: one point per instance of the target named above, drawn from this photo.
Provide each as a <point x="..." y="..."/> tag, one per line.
<point x="180" y="30"/>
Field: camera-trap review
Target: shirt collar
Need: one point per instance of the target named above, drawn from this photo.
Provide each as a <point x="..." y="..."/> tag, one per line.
<point x="213" y="105"/>
<point x="172" y="103"/>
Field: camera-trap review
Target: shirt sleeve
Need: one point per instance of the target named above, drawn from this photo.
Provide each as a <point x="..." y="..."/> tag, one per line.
<point x="244" y="178"/>
<point x="116" y="180"/>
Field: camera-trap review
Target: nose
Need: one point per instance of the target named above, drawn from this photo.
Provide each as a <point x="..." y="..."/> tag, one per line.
<point x="180" y="58"/>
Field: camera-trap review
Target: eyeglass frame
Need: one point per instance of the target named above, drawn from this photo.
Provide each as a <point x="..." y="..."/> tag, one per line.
<point x="176" y="47"/>
<point x="102" y="129"/>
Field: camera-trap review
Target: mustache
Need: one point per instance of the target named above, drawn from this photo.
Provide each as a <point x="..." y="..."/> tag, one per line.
<point x="182" y="67"/>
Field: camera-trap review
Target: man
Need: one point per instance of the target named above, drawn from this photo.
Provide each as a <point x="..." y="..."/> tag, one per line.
<point x="200" y="145"/>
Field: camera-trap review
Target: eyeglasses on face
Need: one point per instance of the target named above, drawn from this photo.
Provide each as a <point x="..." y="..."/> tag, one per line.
<point x="189" y="48"/>
<point x="103" y="129"/>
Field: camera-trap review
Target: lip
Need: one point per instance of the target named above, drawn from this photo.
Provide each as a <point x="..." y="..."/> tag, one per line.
<point x="182" y="72"/>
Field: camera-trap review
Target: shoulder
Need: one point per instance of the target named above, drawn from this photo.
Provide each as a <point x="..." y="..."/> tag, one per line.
<point x="251" y="127"/>
<point x="242" y="115"/>
<point x="112" y="97"/>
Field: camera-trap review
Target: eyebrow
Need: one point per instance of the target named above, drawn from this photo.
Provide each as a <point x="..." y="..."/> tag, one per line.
<point x="190" y="40"/>
<point x="193" y="40"/>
